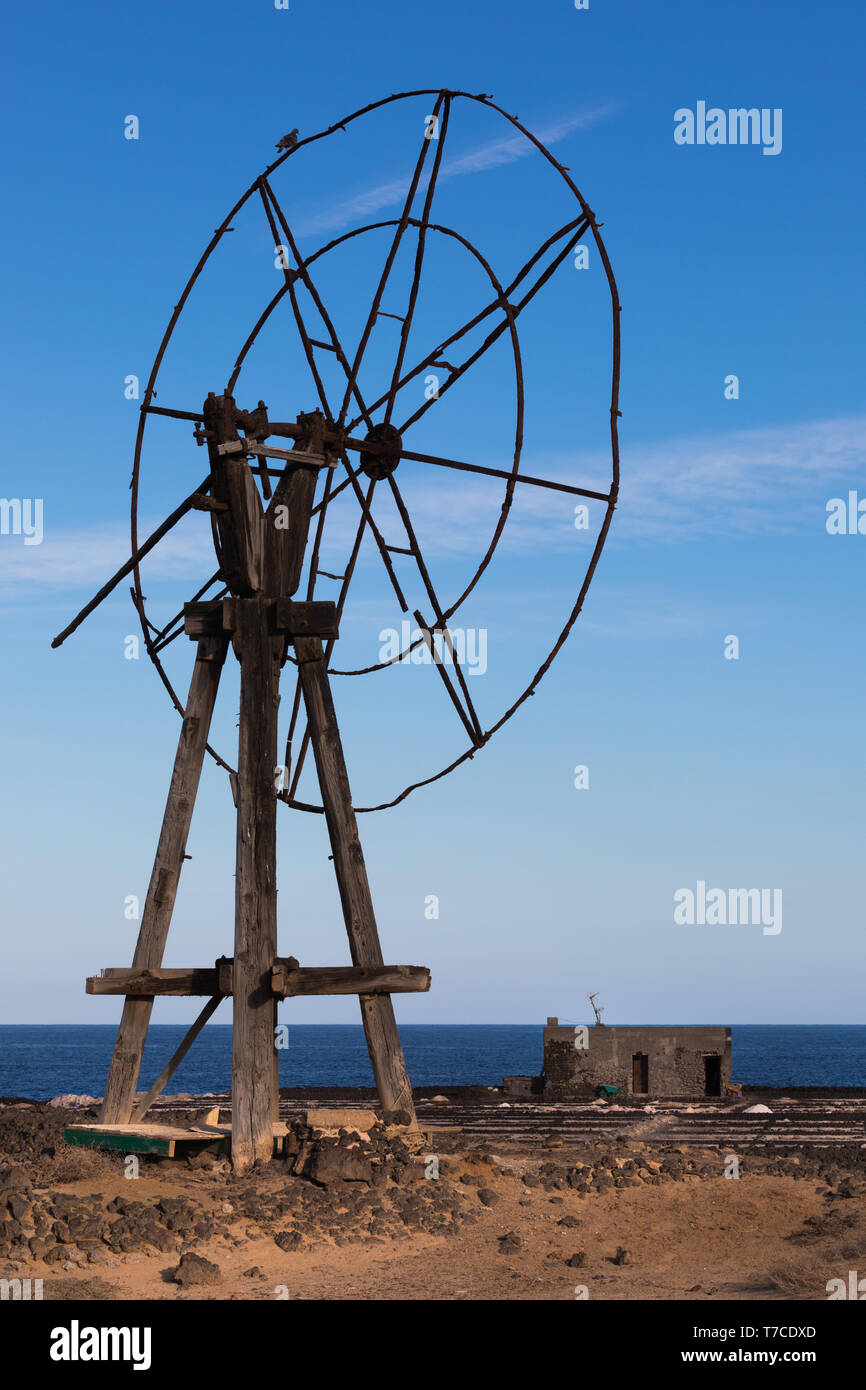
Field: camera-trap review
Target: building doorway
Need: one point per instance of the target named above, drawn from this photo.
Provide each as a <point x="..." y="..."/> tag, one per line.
<point x="640" y="1074"/>
<point x="712" y="1076"/>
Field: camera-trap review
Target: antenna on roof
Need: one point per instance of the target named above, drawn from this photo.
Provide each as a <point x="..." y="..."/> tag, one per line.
<point x="595" y="1008"/>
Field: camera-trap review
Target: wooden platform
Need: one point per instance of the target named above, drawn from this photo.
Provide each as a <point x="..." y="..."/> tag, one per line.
<point x="169" y="1141"/>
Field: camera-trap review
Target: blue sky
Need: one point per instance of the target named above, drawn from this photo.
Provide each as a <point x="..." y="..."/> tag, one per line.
<point x="739" y="773"/>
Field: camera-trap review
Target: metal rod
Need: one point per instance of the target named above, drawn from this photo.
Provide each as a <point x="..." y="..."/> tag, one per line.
<point x="168" y="1071"/>
<point x="419" y="259"/>
<point x="139" y="554"/>
<point x="500" y="328"/>
<point x="503" y="473"/>
<point x="437" y="607"/>
<point x="314" y="295"/>
<point x="500" y="302"/>
<point x="329" y="646"/>
<point x="386" y="271"/>
<point x="428" y="641"/>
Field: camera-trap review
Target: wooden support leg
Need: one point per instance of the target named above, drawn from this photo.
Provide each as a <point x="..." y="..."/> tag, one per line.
<point x="377" y="1011"/>
<point x="253" y="1042"/>
<point x="159" y="903"/>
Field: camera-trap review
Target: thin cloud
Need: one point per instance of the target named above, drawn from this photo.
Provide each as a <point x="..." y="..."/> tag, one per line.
<point x="746" y="482"/>
<point x="89" y="556"/>
<point x="490" y="156"/>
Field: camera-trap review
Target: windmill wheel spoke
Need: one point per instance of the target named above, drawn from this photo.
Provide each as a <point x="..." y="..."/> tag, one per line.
<point x="500" y="301"/>
<point x="351" y="390"/>
<point x="254" y="333"/>
<point x="383" y="279"/>
<point x="329" y="645"/>
<point x="472" y="722"/>
<point x="267" y="198"/>
<point x="319" y="511"/>
<point x="468" y="717"/>
<point x="512" y="313"/>
<point x="364" y="503"/>
<point x="510" y="476"/>
<point x="303" y="274"/>
<point x="335" y="492"/>
<point x="287" y="793"/>
<point x="419" y="261"/>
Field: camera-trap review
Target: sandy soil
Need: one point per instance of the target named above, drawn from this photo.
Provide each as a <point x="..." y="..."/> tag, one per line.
<point x="496" y="1225"/>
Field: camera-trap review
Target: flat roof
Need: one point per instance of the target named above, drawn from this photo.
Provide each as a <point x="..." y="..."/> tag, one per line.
<point x="613" y="1026"/>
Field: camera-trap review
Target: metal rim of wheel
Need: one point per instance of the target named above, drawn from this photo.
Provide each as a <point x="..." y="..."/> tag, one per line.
<point x="156" y="639"/>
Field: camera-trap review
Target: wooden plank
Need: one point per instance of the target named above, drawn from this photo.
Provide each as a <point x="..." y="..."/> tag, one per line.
<point x="153" y="1131"/>
<point x="167" y="1141"/>
<point x="177" y="1057"/>
<point x="287" y="522"/>
<point x="208" y="617"/>
<point x="315" y="619"/>
<point x="296" y="456"/>
<point x="287" y="979"/>
<point x="157" y="981"/>
<point x="350" y="979"/>
<point x="127" y="1143"/>
<point x="159" y="903"/>
<point x="241" y="526"/>
<point x="377" y="1011"/>
<point x="213" y="616"/>
<point x="253" y="1042"/>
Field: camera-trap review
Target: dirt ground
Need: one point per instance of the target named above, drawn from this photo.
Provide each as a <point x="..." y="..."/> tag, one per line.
<point x="624" y="1222"/>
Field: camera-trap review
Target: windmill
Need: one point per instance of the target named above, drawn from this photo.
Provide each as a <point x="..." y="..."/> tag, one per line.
<point x="267" y="504"/>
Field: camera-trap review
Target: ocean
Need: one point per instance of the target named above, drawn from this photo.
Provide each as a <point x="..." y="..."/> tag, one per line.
<point x="45" y="1060"/>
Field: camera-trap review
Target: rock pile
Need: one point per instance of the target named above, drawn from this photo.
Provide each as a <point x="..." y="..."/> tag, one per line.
<point x="341" y="1188"/>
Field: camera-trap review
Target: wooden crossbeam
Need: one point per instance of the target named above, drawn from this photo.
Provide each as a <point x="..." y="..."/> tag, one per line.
<point x="267" y="451"/>
<point x="350" y="979"/>
<point x="298" y="456"/>
<point x="288" y="980"/>
<point x="219" y="616"/>
<point x="147" y="983"/>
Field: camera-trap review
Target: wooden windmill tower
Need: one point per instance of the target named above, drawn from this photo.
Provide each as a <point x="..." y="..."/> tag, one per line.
<point x="264" y="536"/>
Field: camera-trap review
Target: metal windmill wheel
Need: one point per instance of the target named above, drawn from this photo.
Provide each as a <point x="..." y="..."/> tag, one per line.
<point x="270" y="505"/>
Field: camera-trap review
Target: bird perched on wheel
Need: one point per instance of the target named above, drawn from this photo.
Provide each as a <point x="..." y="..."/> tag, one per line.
<point x="288" y="140"/>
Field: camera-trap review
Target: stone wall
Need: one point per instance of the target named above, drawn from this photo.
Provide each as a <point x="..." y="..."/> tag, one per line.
<point x="675" y="1059"/>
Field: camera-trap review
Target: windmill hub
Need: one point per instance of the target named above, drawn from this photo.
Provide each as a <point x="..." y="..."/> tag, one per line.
<point x="380" y="462"/>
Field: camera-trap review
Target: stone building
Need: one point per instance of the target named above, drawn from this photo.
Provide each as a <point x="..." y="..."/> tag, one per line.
<point x="639" y="1060"/>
